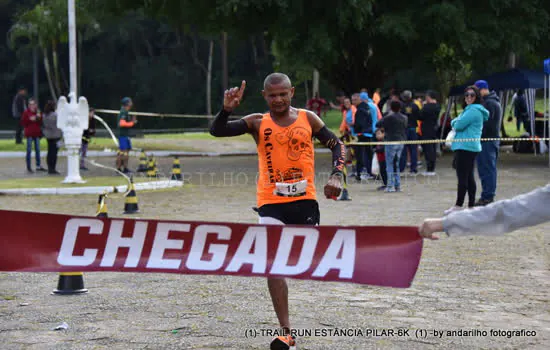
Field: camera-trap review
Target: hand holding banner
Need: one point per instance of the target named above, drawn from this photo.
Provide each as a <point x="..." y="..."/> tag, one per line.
<point x="383" y="256"/>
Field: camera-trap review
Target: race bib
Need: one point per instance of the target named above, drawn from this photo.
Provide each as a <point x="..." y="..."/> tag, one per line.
<point x="290" y="189"/>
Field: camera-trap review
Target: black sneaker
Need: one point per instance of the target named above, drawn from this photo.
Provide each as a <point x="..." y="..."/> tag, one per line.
<point x="30" y="171"/>
<point x="83" y="168"/>
<point x="381" y="188"/>
<point x="41" y="169"/>
<point x="483" y="202"/>
<point x="127" y="171"/>
<point x="54" y="172"/>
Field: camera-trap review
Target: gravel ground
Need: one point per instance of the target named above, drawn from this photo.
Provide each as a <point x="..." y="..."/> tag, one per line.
<point x="471" y="283"/>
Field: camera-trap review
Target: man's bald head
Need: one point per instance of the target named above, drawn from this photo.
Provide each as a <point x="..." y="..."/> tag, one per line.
<point x="277" y="79"/>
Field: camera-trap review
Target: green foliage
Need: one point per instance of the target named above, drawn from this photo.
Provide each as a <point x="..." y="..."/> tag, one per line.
<point x="450" y="69"/>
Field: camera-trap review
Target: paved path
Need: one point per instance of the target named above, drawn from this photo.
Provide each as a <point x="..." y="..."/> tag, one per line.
<point x="470" y="283"/>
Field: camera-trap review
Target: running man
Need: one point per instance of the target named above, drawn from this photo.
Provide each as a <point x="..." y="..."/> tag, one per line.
<point x="123" y="130"/>
<point x="285" y="191"/>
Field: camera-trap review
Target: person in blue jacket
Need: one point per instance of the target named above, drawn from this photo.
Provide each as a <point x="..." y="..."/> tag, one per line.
<point x="468" y="125"/>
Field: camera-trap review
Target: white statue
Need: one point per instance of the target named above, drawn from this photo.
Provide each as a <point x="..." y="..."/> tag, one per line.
<point x="72" y="119"/>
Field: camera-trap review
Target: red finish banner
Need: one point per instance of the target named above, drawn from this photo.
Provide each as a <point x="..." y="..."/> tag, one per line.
<point x="40" y="242"/>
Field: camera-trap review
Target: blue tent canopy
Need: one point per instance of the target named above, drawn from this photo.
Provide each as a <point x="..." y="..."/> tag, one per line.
<point x="509" y="80"/>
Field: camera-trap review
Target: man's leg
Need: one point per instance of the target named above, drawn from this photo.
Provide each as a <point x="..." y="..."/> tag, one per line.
<point x="390" y="162"/>
<point x="126" y="156"/>
<point x="119" y="159"/>
<point x="278" y="289"/>
<point x="368" y="156"/>
<point x="397" y="177"/>
<point x="18" y="131"/>
<point x="36" y="141"/>
<point x="29" y="152"/>
<point x="359" y="159"/>
<point x="383" y="172"/>
<point x="484" y="170"/>
<point x="49" y="157"/>
<point x="403" y="160"/>
<point x="412" y="136"/>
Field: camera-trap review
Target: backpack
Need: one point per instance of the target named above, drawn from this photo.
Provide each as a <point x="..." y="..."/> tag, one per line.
<point x="363" y="119"/>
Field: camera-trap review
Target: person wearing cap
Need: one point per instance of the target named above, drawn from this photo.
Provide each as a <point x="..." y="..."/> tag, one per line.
<point x="366" y="118"/>
<point x="487" y="158"/>
<point x="124" y="124"/>
<point x="411" y="110"/>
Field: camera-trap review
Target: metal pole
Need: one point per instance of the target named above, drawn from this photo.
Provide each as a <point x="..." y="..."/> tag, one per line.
<point x="72" y="48"/>
<point x="547" y="116"/>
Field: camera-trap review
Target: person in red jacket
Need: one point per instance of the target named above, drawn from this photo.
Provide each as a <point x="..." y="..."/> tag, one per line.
<point x="31" y="120"/>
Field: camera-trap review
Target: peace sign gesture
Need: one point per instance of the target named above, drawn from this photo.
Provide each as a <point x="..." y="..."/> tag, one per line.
<point x="232" y="97"/>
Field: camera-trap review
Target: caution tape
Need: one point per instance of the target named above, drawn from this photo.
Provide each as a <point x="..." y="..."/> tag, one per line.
<point x="423" y="142"/>
<point x="163" y="115"/>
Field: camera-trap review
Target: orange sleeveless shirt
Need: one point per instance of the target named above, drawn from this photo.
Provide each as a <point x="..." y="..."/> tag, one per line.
<point x="286" y="161"/>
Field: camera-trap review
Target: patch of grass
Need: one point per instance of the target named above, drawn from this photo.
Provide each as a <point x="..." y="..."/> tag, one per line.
<point x="8" y="297"/>
<point x="47" y="181"/>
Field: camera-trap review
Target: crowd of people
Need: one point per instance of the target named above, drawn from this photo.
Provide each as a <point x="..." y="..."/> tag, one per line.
<point x="35" y="124"/>
<point x="397" y="118"/>
<point x="402" y="119"/>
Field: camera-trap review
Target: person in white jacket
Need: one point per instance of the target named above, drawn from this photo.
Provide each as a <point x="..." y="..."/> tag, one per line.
<point x="498" y="218"/>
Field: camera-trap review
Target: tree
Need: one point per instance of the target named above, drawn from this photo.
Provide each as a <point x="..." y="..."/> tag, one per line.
<point x="45" y="26"/>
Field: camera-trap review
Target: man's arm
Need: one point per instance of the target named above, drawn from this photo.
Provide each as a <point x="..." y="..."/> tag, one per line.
<point x="221" y="127"/>
<point x="331" y="141"/>
<point x="501" y="217"/>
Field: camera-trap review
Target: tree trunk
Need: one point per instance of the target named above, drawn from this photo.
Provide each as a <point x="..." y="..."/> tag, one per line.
<point x="315" y="85"/>
<point x="254" y="53"/>
<point x="49" y="75"/>
<point x="209" y="79"/>
<point x="307" y="90"/>
<point x="57" y="77"/>
<point x="225" y="70"/>
<point x="35" y="74"/>
<point x="512" y="60"/>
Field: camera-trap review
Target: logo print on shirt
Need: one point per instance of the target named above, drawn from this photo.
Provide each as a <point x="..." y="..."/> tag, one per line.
<point x="298" y="140"/>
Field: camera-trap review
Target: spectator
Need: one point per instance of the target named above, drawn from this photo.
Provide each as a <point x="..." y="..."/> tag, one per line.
<point x="376" y="98"/>
<point x="468" y="125"/>
<point x="32" y="123"/>
<point x="411" y="110"/>
<point x="521" y="112"/>
<point x="495" y="219"/>
<point x="394" y="96"/>
<point x="428" y="116"/>
<point x="487" y="158"/>
<point x="86" y="138"/>
<point x="52" y="134"/>
<point x="365" y="120"/>
<point x="18" y="106"/>
<point x="124" y="141"/>
<point x="381" y="157"/>
<point x="395" y="128"/>
<point x="316" y="104"/>
<point x="348" y="118"/>
<point x="340" y="97"/>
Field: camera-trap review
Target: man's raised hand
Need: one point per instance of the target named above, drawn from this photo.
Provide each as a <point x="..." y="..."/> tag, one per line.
<point x="232" y="97"/>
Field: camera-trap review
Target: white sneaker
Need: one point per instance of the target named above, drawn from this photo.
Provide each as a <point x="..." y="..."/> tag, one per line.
<point x="429" y="173"/>
<point x="453" y="209"/>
